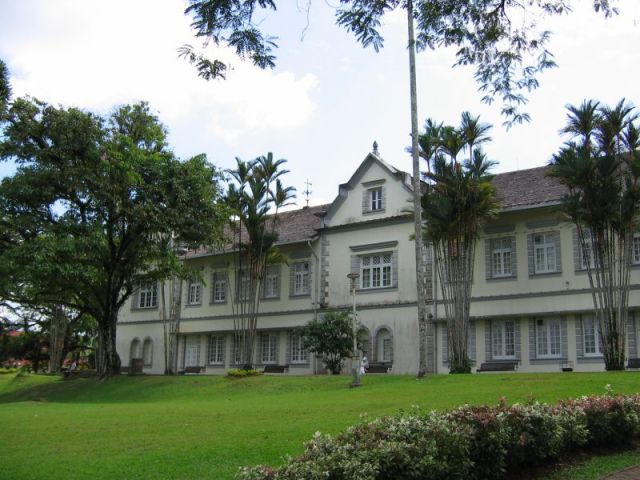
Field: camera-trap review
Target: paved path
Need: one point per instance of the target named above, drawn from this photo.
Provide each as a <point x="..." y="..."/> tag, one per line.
<point x="631" y="473"/>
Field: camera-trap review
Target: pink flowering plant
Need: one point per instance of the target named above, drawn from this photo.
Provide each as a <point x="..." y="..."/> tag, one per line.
<point x="470" y="442"/>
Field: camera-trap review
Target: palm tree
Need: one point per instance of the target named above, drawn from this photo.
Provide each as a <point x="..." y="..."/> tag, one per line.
<point x="473" y="132"/>
<point x="460" y="199"/>
<point x="255" y="198"/>
<point x="5" y="89"/>
<point x="601" y="171"/>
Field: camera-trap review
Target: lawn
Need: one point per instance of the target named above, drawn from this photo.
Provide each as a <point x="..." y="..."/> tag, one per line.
<point x="206" y="427"/>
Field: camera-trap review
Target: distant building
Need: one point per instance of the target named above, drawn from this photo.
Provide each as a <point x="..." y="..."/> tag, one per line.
<point x="531" y="304"/>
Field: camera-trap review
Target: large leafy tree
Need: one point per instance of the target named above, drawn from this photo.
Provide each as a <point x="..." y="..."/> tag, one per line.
<point x="331" y="337"/>
<point x="457" y="201"/>
<point x="87" y="215"/>
<point x="254" y="197"/>
<point x="501" y="38"/>
<point x="600" y="167"/>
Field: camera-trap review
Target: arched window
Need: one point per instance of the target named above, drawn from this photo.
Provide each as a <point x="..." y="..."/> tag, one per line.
<point x="384" y="345"/>
<point x="147" y="352"/>
<point x="136" y="350"/>
<point x="364" y="340"/>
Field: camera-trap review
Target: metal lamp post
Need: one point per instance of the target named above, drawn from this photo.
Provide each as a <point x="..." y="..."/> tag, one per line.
<point x="355" y="359"/>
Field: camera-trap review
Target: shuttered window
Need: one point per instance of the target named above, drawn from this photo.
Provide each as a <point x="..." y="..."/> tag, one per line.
<point x="375" y="271"/>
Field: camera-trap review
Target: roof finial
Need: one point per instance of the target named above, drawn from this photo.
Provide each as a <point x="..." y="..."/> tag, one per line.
<point x="307" y="191"/>
<point x="375" y="148"/>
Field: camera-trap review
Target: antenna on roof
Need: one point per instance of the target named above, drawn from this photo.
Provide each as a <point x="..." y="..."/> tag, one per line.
<point x="307" y="191"/>
<point x="375" y="149"/>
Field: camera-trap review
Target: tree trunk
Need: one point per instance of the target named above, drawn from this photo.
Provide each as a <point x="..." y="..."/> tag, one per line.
<point x="57" y="335"/>
<point x="423" y="327"/>
<point x="107" y="359"/>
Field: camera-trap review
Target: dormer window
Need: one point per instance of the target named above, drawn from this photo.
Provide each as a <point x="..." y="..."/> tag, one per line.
<point x="376" y="198"/>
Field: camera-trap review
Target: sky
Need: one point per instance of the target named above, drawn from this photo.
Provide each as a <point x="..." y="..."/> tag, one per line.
<point x="327" y="100"/>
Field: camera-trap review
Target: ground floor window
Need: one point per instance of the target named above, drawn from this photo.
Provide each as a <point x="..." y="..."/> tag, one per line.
<point x="503" y="339"/>
<point x="548" y="338"/>
<point x="216" y="350"/>
<point x="147" y="352"/>
<point x="269" y="345"/>
<point x="591" y="337"/>
<point x="298" y="352"/>
<point x="384" y="344"/>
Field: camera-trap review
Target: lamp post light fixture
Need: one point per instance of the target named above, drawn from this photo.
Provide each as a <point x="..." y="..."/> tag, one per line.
<point x="355" y="359"/>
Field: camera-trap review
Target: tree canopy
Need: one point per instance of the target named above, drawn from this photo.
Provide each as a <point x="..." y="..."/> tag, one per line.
<point x="92" y="208"/>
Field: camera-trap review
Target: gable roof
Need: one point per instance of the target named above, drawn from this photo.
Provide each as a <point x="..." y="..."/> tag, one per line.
<point x="371" y="158"/>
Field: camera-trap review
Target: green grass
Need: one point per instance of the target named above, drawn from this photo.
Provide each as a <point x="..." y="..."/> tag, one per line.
<point x="206" y="427"/>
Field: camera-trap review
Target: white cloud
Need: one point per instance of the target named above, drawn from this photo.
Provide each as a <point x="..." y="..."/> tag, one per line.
<point x="99" y="54"/>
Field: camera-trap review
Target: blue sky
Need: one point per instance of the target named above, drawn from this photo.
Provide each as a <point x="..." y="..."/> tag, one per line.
<point x="328" y="98"/>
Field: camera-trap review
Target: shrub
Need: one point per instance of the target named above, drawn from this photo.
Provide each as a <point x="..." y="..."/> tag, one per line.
<point x="466" y="443"/>
<point x="5" y="371"/>
<point x="241" y="373"/>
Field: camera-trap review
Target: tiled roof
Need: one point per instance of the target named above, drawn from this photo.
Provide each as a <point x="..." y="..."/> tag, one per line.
<point x="518" y="189"/>
<point x="527" y="188"/>
<point x="294" y="226"/>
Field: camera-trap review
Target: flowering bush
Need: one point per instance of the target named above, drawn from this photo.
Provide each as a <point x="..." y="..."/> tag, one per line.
<point x="241" y="373"/>
<point x="465" y="443"/>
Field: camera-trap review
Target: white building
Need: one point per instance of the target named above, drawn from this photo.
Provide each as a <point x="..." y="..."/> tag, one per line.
<point x="531" y="304"/>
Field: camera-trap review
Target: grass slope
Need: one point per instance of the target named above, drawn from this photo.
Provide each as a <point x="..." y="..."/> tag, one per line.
<point x="206" y="427"/>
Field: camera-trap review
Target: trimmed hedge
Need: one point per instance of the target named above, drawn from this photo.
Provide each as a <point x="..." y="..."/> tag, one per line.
<point x="465" y="443"/>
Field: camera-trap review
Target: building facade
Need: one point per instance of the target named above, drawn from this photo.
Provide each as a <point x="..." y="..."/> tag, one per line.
<point x="531" y="302"/>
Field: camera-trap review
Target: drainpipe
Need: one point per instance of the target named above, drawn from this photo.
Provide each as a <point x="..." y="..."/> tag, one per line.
<point x="316" y="296"/>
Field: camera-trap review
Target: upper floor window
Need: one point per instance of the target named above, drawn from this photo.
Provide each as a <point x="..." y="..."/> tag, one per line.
<point x="587" y="255"/>
<point x="244" y="286"/>
<point x="375" y="270"/>
<point x="548" y="338"/>
<point x="300" y="278"/>
<point x="635" y="254"/>
<point x="373" y="198"/>
<point x="148" y="295"/>
<point x="376" y="198"/>
<point x="219" y="287"/>
<point x="502" y="256"/>
<point x="195" y="292"/>
<point x="271" y="283"/>
<point x="544" y="252"/>
<point x="591" y="337"/>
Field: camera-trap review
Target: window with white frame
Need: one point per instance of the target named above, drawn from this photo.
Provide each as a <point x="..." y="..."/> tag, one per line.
<point x="503" y="339"/>
<point x="216" y="349"/>
<point x="544" y="252"/>
<point x="298" y="352"/>
<point x="635" y="255"/>
<point x="591" y="337"/>
<point x="301" y="278"/>
<point x="375" y="199"/>
<point x="147" y="352"/>
<point x="268" y="348"/>
<point x="148" y="295"/>
<point x="587" y="255"/>
<point x="195" y="292"/>
<point x="219" y="287"/>
<point x="548" y="338"/>
<point x="501" y="257"/>
<point x="271" y="283"/>
<point x="375" y="270"/>
<point x="244" y="286"/>
<point x="384" y="344"/>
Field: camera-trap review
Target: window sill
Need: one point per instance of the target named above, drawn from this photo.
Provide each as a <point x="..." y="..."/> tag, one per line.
<point x="155" y="307"/>
<point x="191" y="305"/>
<point x="218" y="303"/>
<point x="300" y="295"/>
<point x="376" y="290"/>
<point x="373" y="212"/>
<point x="270" y="299"/>
<point x="503" y="278"/>
<point x="545" y="274"/>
